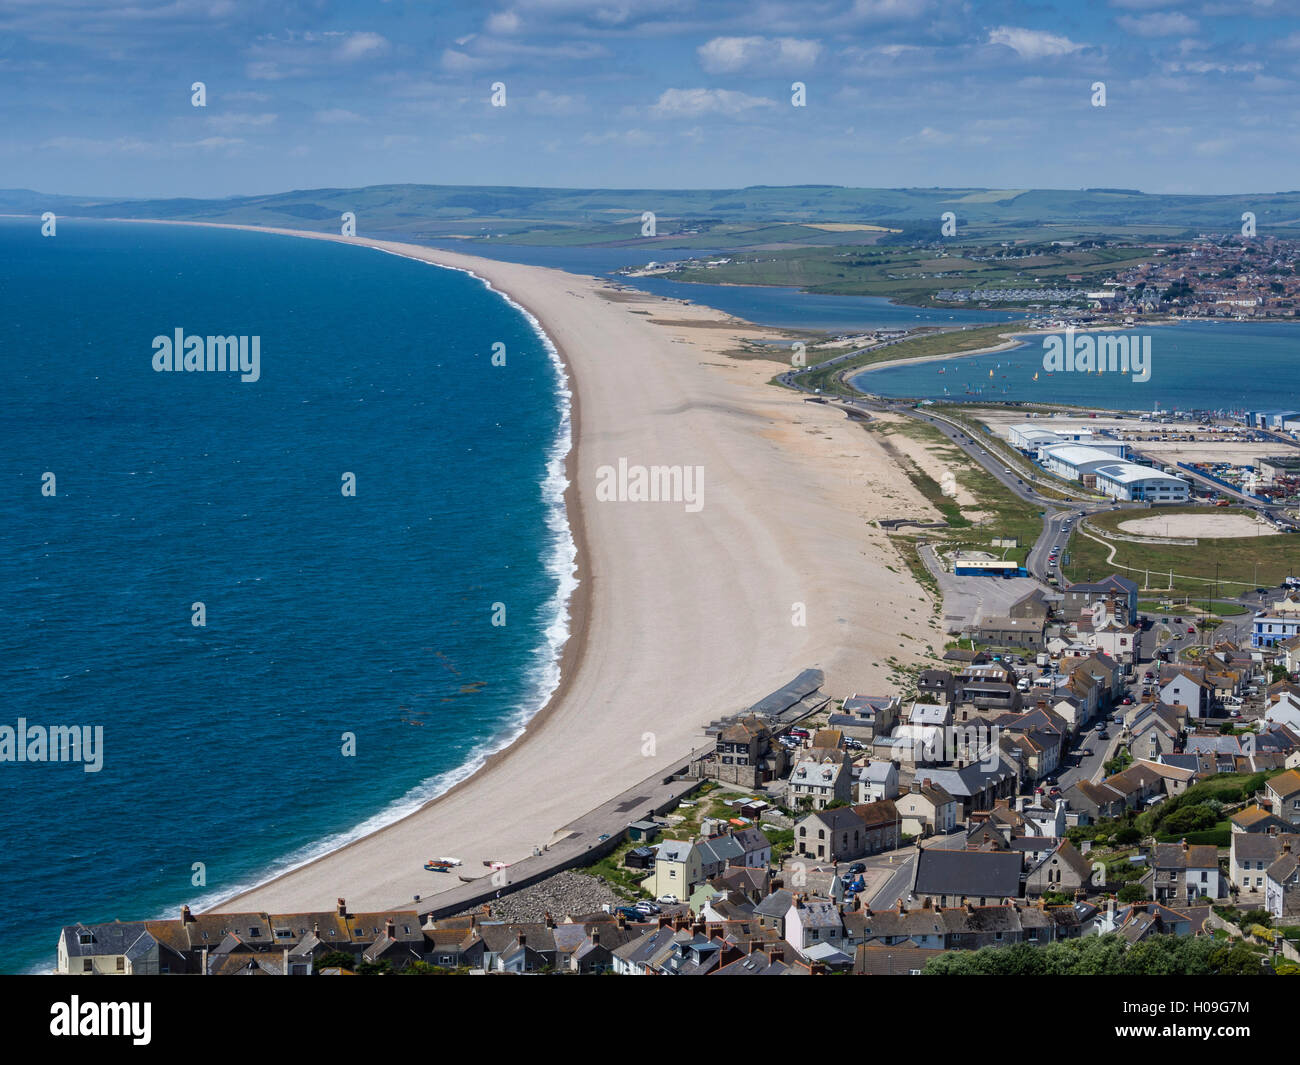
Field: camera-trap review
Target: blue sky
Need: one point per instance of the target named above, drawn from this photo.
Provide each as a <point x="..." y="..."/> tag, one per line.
<point x="95" y="96"/>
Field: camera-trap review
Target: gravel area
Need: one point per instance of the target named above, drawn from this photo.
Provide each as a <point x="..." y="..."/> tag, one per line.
<point x="564" y="893"/>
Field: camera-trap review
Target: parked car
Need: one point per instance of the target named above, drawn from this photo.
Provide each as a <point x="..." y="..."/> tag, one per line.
<point x="646" y="906"/>
<point x="857" y="867"/>
<point x="1128" y="700"/>
<point x="669" y="900"/>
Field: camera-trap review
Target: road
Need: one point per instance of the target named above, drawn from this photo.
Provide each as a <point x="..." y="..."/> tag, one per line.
<point x="899" y="884"/>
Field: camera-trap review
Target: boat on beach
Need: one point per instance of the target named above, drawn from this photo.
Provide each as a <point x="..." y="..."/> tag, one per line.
<point x="441" y="865"/>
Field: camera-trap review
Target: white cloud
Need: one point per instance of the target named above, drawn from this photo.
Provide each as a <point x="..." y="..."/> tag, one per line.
<point x="1158" y="24"/>
<point x="676" y="102"/>
<point x="1032" y="44"/>
<point x="731" y="55"/>
<point x="236" y="120"/>
<point x="362" y="46"/>
<point x="334" y="115"/>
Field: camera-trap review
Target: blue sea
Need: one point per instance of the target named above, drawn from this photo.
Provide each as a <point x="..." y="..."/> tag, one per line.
<point x="326" y="614"/>
<point x="1227" y="366"/>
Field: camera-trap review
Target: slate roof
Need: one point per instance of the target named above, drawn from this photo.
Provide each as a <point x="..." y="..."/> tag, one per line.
<point x="971" y="873"/>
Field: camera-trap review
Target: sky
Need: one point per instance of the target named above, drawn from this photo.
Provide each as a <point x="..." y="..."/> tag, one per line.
<point x="96" y="96"/>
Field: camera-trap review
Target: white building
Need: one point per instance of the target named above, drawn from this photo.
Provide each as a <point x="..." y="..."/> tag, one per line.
<point x="1127" y="480"/>
<point x="1075" y="461"/>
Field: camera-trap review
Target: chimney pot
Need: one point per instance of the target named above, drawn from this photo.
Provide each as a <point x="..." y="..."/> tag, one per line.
<point x="342" y="907"/>
<point x="186" y="916"/>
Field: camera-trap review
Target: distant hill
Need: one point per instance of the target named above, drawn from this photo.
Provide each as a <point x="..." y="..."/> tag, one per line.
<point x="581" y="216"/>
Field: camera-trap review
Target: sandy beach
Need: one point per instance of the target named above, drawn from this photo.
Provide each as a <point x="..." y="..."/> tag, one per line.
<point x="681" y="616"/>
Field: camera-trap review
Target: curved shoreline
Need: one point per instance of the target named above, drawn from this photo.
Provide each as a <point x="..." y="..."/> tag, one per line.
<point x="577" y="605"/>
<point x="1013" y="341"/>
<point x="679" y="616"/>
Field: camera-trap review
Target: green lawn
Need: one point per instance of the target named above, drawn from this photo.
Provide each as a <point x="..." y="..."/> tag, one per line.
<point x="1242" y="563"/>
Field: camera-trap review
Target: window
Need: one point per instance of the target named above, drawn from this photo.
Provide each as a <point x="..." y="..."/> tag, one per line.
<point x="87" y="966"/>
<point x="121" y="965"/>
<point x="85" y="938"/>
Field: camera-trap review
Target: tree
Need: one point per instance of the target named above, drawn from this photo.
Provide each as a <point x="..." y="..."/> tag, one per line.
<point x="1133" y="893"/>
<point x="1257" y="916"/>
<point x="335" y="959"/>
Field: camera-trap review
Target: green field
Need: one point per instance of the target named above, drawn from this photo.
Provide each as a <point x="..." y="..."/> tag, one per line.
<point x="915" y="275"/>
<point x="1242" y="563"/>
<point x="1006" y="516"/>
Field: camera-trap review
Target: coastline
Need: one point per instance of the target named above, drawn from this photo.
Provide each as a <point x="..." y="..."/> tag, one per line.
<point x="1013" y="341"/>
<point x="659" y="392"/>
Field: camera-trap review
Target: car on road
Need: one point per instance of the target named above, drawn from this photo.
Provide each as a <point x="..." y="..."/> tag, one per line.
<point x="1102" y="734"/>
<point x="1234" y="713"/>
<point x="856" y="868"/>
<point x="1191" y="630"/>
<point x="1128" y="700"/>
<point x="1178" y="621"/>
<point x="1006" y="469"/>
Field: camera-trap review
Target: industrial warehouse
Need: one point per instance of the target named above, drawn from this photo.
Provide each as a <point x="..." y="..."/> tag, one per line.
<point x="1100" y="465"/>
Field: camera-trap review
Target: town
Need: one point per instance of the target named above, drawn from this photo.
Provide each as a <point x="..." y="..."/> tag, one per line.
<point x="1104" y="777"/>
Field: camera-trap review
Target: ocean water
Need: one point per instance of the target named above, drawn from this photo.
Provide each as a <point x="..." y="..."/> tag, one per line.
<point x="1224" y="366"/>
<point x="325" y="614"/>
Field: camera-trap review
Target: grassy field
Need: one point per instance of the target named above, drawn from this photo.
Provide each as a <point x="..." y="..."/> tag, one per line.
<point x="1006" y="516"/>
<point x="1241" y="563"/>
<point x="915" y="275"/>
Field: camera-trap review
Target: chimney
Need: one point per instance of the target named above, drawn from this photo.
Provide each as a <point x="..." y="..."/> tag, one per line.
<point x="916" y="786"/>
<point x="523" y="939"/>
<point x="777" y="883"/>
<point x="550" y="921"/>
<point x="285" y="956"/>
<point x="186" y="916"/>
<point x="390" y="929"/>
<point x="1184" y="843"/>
<point x="798" y="902"/>
<point x="817" y="969"/>
<point x="342" y="908"/>
<point x="775" y="955"/>
<point x="665" y="922"/>
<point x="901" y="907"/>
<point x="622" y="920"/>
<point x="595" y="937"/>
